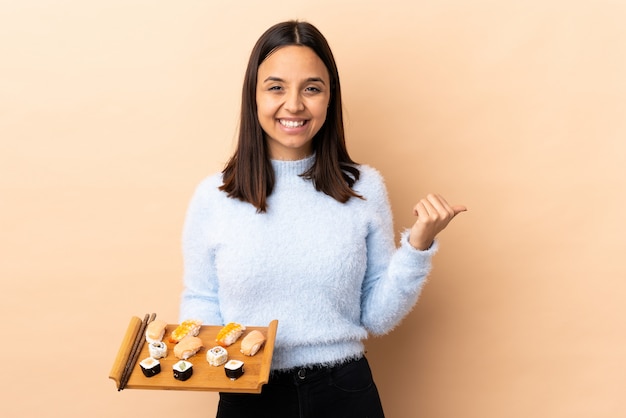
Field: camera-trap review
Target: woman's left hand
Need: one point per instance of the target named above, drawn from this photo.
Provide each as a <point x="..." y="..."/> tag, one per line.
<point x="433" y="215"/>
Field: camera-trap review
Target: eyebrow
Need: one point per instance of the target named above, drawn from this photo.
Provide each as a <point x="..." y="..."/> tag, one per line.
<point x="308" y="80"/>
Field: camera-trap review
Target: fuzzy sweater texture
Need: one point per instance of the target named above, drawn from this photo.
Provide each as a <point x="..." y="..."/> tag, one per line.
<point x="329" y="272"/>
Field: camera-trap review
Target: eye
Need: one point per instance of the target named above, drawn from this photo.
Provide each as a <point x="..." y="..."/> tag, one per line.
<point x="312" y="89"/>
<point x="274" y="88"/>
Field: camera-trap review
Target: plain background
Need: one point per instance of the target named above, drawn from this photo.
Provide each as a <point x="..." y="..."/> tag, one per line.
<point x="111" y="112"/>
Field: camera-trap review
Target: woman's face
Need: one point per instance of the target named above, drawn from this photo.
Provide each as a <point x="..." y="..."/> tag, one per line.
<point x="292" y="97"/>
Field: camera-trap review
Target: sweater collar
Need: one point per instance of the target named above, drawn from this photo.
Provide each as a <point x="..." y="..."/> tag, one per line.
<point x="293" y="167"/>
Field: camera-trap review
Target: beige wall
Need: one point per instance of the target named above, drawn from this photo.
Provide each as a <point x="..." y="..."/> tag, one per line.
<point x="112" y="111"/>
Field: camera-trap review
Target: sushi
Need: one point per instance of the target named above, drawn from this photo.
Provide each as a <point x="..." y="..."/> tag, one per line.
<point x="187" y="327"/>
<point x="234" y="369"/>
<point x="155" y="331"/>
<point x="217" y="356"/>
<point x="229" y="334"/>
<point x="150" y="366"/>
<point x="252" y="343"/>
<point x="187" y="347"/>
<point x="182" y="370"/>
<point x="157" y="349"/>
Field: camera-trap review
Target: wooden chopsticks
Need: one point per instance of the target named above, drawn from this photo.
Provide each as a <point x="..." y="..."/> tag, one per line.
<point x="134" y="352"/>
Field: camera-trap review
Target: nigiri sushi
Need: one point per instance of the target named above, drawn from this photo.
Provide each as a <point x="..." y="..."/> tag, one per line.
<point x="252" y="343"/>
<point x="229" y="334"/>
<point x="155" y="331"/>
<point x="187" y="327"/>
<point x="187" y="347"/>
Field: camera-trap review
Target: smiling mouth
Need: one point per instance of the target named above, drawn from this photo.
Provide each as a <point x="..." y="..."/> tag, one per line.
<point x="292" y="123"/>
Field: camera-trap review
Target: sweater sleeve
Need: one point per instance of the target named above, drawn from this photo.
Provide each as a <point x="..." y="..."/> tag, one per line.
<point x="394" y="276"/>
<point x="199" y="299"/>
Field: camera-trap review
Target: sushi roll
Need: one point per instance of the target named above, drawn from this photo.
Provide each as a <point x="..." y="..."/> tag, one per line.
<point x="229" y="334"/>
<point x="157" y="349"/>
<point x="234" y="369"/>
<point x="252" y="343"/>
<point x="217" y="356"/>
<point x="182" y="370"/>
<point x="155" y="331"/>
<point x="150" y="366"/>
<point x="187" y="327"/>
<point x="187" y="347"/>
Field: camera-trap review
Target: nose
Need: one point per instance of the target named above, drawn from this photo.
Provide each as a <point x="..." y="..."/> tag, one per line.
<point x="293" y="102"/>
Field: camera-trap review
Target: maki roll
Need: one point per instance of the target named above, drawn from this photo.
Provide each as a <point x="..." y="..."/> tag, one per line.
<point x="182" y="370"/>
<point x="234" y="369"/>
<point x="157" y="349"/>
<point x="150" y="367"/>
<point x="229" y="334"/>
<point x="217" y="356"/>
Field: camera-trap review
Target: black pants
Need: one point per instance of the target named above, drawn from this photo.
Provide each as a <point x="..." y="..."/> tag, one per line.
<point x="344" y="391"/>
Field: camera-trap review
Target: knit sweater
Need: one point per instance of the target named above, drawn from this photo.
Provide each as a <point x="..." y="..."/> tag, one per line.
<point x="329" y="272"/>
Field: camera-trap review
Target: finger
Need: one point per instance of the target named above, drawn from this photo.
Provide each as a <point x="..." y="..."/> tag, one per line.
<point x="430" y="208"/>
<point x="420" y="209"/>
<point x="437" y="200"/>
<point x="436" y="204"/>
<point x="440" y="205"/>
<point x="458" y="209"/>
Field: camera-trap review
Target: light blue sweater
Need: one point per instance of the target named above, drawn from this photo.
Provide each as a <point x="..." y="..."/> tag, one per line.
<point x="329" y="272"/>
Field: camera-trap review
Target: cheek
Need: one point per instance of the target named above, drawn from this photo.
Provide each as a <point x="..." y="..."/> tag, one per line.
<point x="265" y="120"/>
<point x="321" y="114"/>
<point x="265" y="108"/>
<point x="262" y="117"/>
<point x="321" y="109"/>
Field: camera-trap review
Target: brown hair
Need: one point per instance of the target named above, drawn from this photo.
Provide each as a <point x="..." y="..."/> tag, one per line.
<point x="249" y="175"/>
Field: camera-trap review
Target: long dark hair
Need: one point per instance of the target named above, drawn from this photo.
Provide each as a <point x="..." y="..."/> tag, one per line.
<point x="249" y="175"/>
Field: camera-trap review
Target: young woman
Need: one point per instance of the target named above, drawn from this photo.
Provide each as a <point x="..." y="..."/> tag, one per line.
<point x="293" y="229"/>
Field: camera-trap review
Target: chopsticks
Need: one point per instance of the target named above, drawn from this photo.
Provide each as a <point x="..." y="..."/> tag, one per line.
<point x="134" y="352"/>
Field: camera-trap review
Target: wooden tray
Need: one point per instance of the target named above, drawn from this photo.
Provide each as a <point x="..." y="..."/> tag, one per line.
<point x="205" y="377"/>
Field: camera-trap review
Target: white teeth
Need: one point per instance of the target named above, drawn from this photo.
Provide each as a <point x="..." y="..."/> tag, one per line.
<point x="291" y="123"/>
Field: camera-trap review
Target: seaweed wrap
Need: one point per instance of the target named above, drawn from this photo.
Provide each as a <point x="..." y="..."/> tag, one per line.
<point x="233" y="369"/>
<point x="150" y="366"/>
<point x="182" y="370"/>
